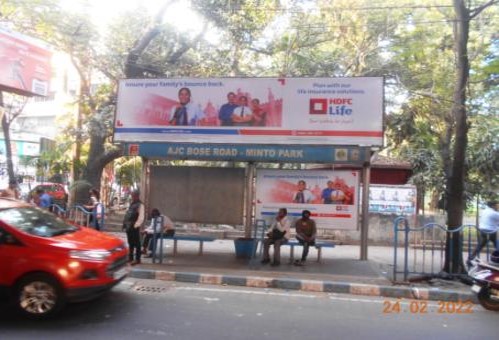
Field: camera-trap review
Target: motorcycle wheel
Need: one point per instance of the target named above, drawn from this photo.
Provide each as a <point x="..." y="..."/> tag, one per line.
<point x="487" y="301"/>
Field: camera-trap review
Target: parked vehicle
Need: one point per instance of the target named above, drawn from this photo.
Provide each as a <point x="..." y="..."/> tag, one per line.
<point x="485" y="277"/>
<point x="46" y="262"/>
<point x="56" y="190"/>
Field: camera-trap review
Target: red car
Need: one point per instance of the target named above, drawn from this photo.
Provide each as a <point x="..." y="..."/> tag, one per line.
<point x="46" y="262"/>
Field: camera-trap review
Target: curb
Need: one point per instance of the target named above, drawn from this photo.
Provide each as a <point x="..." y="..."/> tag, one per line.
<point x="397" y="292"/>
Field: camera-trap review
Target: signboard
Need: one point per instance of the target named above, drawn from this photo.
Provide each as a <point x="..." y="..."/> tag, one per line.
<point x="21" y="148"/>
<point x="353" y="156"/>
<point x="298" y="111"/>
<point x="400" y="200"/>
<point x="25" y="64"/>
<point x="331" y="196"/>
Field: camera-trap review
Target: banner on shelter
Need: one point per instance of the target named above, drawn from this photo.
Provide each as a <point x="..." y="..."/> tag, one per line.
<point x="339" y="111"/>
<point x="25" y="64"/>
<point x="331" y="196"/>
<point x="390" y="199"/>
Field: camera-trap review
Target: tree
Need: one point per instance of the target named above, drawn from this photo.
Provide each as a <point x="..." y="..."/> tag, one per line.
<point x="12" y="108"/>
<point x="456" y="180"/>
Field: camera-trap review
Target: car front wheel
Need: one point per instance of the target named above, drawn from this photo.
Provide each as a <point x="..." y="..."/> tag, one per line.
<point x="39" y="296"/>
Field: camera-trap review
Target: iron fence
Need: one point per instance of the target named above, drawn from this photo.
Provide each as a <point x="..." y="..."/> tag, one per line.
<point x="420" y="251"/>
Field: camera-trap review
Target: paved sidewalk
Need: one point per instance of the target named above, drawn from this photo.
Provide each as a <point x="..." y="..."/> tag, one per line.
<point x="340" y="271"/>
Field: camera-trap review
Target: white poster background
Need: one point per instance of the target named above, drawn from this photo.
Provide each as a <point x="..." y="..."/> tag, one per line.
<point x="276" y="189"/>
<point x="299" y="110"/>
<point x="389" y="199"/>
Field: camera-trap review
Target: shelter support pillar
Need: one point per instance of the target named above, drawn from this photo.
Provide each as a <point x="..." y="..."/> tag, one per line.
<point x="250" y="194"/>
<point x="366" y="179"/>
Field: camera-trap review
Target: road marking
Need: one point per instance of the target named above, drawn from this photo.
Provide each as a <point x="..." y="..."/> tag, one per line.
<point x="249" y="292"/>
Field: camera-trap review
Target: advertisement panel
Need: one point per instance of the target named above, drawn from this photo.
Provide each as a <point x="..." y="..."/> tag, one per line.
<point x="331" y="196"/>
<point x="339" y="111"/>
<point x="25" y="64"/>
<point x="400" y="200"/>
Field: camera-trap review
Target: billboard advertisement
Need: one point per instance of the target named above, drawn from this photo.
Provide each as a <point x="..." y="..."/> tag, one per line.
<point x="25" y="64"/>
<point x="400" y="200"/>
<point x="301" y="111"/>
<point x="331" y="196"/>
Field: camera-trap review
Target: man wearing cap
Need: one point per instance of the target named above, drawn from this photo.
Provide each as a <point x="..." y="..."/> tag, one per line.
<point x="306" y="231"/>
<point x="132" y="223"/>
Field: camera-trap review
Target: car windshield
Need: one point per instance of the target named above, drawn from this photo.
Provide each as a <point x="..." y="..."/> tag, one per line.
<point x="36" y="222"/>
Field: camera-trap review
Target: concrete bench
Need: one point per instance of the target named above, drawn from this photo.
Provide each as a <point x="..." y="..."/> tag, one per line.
<point x="195" y="238"/>
<point x="318" y="245"/>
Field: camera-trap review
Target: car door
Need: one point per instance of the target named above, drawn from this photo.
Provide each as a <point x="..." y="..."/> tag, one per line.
<point x="11" y="251"/>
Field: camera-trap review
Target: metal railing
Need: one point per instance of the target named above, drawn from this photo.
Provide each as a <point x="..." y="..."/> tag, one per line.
<point x="420" y="251"/>
<point x="80" y="215"/>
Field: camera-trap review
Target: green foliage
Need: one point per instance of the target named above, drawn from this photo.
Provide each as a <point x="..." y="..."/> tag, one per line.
<point x="128" y="171"/>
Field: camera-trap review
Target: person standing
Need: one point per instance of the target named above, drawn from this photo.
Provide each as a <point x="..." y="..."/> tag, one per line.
<point x="259" y="116"/>
<point x="326" y="193"/>
<point x="11" y="191"/>
<point x="134" y="218"/>
<point x="226" y="110"/>
<point x="44" y="201"/>
<point x="306" y="231"/>
<point x="186" y="113"/>
<point x="489" y="226"/>
<point x="95" y="207"/>
<point x="242" y="115"/>
<point x="279" y="234"/>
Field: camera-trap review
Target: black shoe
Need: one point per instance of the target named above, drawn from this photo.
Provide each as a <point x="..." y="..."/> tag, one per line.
<point x="299" y="263"/>
<point x="265" y="261"/>
<point x="275" y="264"/>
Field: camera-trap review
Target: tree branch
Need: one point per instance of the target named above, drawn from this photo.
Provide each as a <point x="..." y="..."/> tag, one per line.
<point x="476" y="11"/>
<point x="144" y="41"/>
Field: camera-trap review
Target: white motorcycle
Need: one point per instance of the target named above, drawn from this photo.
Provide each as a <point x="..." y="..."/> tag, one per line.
<point x="485" y="277"/>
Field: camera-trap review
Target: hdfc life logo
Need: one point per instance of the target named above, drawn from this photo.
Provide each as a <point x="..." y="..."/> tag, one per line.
<point x="331" y="106"/>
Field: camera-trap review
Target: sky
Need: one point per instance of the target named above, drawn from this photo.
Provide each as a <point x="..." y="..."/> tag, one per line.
<point x="103" y="11"/>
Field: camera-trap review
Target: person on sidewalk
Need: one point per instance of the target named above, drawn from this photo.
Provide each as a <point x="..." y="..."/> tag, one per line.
<point x="94" y="206"/>
<point x="156" y="229"/>
<point x="279" y="234"/>
<point x="134" y="218"/>
<point x="45" y="201"/>
<point x="306" y="230"/>
<point x="489" y="226"/>
<point x="11" y="191"/>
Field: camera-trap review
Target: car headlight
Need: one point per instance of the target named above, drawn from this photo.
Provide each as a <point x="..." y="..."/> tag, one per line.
<point x="90" y="255"/>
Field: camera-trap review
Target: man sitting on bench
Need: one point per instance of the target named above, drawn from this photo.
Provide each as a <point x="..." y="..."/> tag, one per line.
<point x="156" y="227"/>
<point x="306" y="231"/>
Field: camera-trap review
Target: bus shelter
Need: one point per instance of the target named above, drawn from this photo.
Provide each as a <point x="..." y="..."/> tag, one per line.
<point x="336" y="121"/>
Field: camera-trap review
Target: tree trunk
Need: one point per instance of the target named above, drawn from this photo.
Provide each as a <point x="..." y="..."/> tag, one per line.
<point x="6" y="136"/>
<point x="455" y="182"/>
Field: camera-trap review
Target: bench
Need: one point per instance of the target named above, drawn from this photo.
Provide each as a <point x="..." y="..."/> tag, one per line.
<point x="196" y="238"/>
<point x="318" y="245"/>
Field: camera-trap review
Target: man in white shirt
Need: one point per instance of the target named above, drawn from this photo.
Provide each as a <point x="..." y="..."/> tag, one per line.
<point x="242" y="115"/>
<point x="489" y="226"/>
<point x="303" y="195"/>
<point x="161" y="225"/>
<point x="279" y="234"/>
